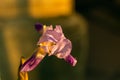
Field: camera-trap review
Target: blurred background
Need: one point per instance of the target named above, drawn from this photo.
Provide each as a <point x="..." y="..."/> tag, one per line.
<point x="93" y="26"/>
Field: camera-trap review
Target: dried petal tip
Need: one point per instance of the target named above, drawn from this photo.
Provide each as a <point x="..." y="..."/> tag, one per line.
<point x="71" y="60"/>
<point x="38" y="27"/>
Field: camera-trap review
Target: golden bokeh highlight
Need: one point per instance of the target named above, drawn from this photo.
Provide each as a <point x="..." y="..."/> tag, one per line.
<point x="50" y="8"/>
<point x="8" y="9"/>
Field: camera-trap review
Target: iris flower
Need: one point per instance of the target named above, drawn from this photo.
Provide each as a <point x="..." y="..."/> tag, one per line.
<point x="52" y="42"/>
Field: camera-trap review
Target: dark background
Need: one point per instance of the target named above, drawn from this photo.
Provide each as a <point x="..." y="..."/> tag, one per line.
<point x="104" y="33"/>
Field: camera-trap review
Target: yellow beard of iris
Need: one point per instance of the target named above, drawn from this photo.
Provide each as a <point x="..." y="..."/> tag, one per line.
<point x="48" y="45"/>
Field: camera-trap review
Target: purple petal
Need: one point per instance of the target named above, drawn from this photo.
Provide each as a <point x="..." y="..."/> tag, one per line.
<point x="31" y="63"/>
<point x="52" y="35"/>
<point x="62" y="48"/>
<point x="38" y="27"/>
<point x="58" y="29"/>
<point x="71" y="60"/>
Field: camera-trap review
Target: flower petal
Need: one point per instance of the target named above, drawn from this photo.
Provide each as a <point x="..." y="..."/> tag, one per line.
<point x="62" y="48"/>
<point x="71" y="60"/>
<point x="33" y="61"/>
<point x="58" y="29"/>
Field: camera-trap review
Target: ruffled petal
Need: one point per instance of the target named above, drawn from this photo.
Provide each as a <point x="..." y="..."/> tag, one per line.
<point x="58" y="29"/>
<point x="64" y="48"/>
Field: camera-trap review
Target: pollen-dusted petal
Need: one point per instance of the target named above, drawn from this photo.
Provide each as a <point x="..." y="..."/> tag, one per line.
<point x="38" y="27"/>
<point x="33" y="61"/>
<point x="71" y="60"/>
